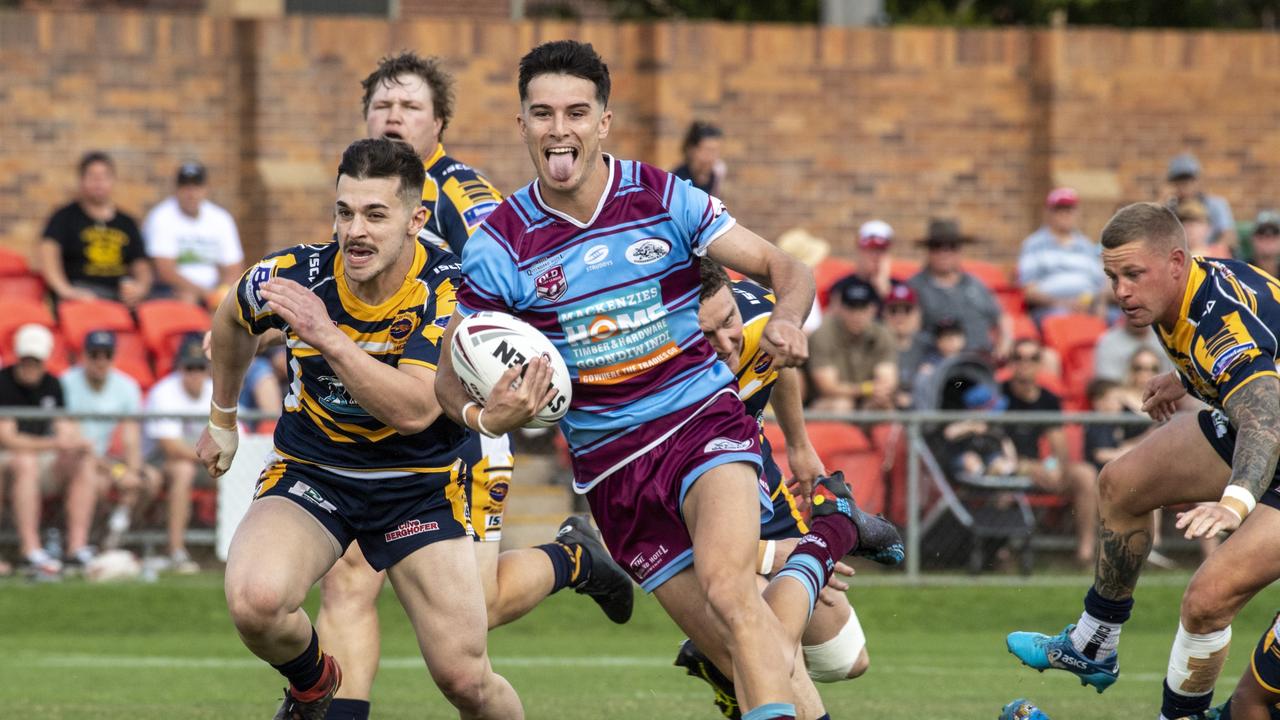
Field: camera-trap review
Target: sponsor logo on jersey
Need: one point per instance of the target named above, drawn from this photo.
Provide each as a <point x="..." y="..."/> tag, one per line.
<point x="643" y="564"/>
<point x="648" y="250"/>
<point x="337" y="399"/>
<point x="717" y="207"/>
<point x="1230" y="357"/>
<point x="308" y="493"/>
<point x="498" y="492"/>
<point x="551" y="284"/>
<point x="724" y="444"/>
<point x="401" y="327"/>
<point x="596" y="257"/>
<point x="260" y="275"/>
<point x="763" y="362"/>
<point x="413" y="527"/>
<point x="442" y="321"/>
<point x="476" y="214"/>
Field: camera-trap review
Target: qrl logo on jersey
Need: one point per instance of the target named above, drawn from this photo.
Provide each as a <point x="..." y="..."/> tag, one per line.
<point x="551" y="284"/>
<point x="648" y="250"/>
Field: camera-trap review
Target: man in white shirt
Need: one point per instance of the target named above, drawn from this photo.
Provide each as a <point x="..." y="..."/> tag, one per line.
<point x="187" y="390"/>
<point x="194" y="243"/>
<point x="95" y="386"/>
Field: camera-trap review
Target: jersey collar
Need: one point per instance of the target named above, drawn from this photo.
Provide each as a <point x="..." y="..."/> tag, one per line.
<point x="361" y="310"/>
<point x="435" y="156"/>
<point x="604" y="198"/>
<point x="1195" y="278"/>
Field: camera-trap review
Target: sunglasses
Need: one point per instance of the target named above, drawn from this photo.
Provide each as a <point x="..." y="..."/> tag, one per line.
<point x="1027" y="358"/>
<point x="944" y="246"/>
<point x="1144" y="368"/>
<point x="1267" y="232"/>
<point x="99" y="354"/>
<point x="194" y="368"/>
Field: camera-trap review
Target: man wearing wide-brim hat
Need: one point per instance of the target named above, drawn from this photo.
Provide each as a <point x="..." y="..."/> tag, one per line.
<point x="945" y="290"/>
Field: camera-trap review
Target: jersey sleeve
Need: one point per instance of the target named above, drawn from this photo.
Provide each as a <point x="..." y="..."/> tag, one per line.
<point x="701" y="217"/>
<point x="423" y="347"/>
<point x="490" y="280"/>
<point x="470" y="198"/>
<point x="1233" y="348"/>
<point x="253" y="311"/>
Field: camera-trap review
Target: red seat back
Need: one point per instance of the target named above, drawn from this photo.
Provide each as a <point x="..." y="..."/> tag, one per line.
<point x="161" y="320"/>
<point x="81" y="317"/>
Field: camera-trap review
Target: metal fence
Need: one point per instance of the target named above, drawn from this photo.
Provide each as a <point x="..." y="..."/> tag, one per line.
<point x="927" y="481"/>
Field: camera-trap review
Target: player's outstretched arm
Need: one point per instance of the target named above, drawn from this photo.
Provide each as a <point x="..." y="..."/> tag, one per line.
<point x="791" y="282"/>
<point x="1254" y="410"/>
<point x="805" y="464"/>
<point x="402" y="398"/>
<point x="231" y="349"/>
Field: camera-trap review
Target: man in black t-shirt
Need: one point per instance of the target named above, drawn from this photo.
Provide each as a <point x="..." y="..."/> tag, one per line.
<point x="32" y="446"/>
<point x="90" y="248"/>
<point x="1055" y="472"/>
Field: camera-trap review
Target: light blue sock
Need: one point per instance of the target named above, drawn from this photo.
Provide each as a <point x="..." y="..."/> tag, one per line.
<point x="771" y="710"/>
<point x="808" y="571"/>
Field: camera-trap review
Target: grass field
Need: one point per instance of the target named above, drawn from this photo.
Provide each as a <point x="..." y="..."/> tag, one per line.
<point x="73" y="650"/>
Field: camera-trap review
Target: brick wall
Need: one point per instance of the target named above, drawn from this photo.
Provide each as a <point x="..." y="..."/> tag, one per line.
<point x="825" y="127"/>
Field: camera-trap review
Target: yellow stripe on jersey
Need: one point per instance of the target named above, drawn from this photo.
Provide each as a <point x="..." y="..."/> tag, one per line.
<point x="314" y="409"/>
<point x="756" y="370"/>
<point x="446" y="300"/>
<point x="270" y="476"/>
<point x="320" y="417"/>
<point x="358" y="309"/>
<point x="456" y="494"/>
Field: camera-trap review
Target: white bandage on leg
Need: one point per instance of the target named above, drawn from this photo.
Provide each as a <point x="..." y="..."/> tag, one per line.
<point x="832" y="660"/>
<point x="1196" y="660"/>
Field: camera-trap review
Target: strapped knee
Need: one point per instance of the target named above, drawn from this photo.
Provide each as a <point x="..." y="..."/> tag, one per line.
<point x="832" y="660"/>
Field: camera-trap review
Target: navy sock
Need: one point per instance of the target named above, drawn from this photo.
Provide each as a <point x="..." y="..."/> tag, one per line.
<point x="570" y="563"/>
<point x="1110" y="611"/>
<point x="1177" y="706"/>
<point x="345" y="709"/>
<point x="825" y="717"/>
<point x="303" y="672"/>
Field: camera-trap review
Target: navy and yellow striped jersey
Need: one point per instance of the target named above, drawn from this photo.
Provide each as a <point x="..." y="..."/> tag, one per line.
<point x="755" y="372"/>
<point x="457" y="199"/>
<point x="1224" y="338"/>
<point x="322" y="424"/>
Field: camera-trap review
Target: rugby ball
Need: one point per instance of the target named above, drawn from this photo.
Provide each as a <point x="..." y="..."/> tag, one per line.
<point x="486" y="344"/>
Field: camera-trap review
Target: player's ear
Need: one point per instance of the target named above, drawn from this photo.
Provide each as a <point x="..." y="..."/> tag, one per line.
<point x="606" y="119"/>
<point x="417" y="219"/>
<point x="524" y="131"/>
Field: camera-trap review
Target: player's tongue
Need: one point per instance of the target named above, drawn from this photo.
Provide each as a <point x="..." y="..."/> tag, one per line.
<point x="560" y="164"/>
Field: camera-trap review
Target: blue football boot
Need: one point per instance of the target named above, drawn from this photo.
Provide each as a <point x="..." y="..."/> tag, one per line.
<point x="1043" y="652"/>
<point x="1022" y="709"/>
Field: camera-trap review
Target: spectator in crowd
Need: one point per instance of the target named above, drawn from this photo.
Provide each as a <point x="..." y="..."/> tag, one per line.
<point x="265" y="380"/>
<point x="874" y="239"/>
<point x="1264" y="243"/>
<point x="96" y="386"/>
<point x="943" y="341"/>
<point x="1116" y="347"/>
<point x="976" y="448"/>
<point x="194" y="243"/>
<point x="1194" y="217"/>
<point x="92" y="249"/>
<point x="37" y="446"/>
<point x="187" y="390"/>
<point x="852" y="357"/>
<point x="702" y="165"/>
<point x="1104" y="443"/>
<point x="1056" y="472"/>
<point x="902" y="316"/>
<point x="810" y="250"/>
<point x="1184" y="178"/>
<point x="1059" y="268"/>
<point x="945" y="290"/>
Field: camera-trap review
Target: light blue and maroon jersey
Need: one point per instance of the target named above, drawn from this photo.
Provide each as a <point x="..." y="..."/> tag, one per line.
<point x="617" y="295"/>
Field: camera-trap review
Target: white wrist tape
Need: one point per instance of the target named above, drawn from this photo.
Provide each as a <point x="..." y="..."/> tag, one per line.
<point x="228" y="441"/>
<point x="1236" y="499"/>
<point x="766" y="562"/>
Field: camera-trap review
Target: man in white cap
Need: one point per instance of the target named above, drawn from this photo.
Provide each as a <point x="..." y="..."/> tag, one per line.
<point x="33" y="446"/>
<point x="874" y="239"/>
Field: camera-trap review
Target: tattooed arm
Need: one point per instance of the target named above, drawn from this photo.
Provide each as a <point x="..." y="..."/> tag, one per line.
<point x="1254" y="410"/>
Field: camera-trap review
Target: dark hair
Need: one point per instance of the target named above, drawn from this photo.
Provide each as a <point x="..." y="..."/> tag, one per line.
<point x="95" y="156"/>
<point x="1098" y="387"/>
<point x="1143" y="221"/>
<point x="565" y="57"/>
<point x="699" y="131"/>
<point x="713" y="278"/>
<point x="391" y="67"/>
<point x="383" y="158"/>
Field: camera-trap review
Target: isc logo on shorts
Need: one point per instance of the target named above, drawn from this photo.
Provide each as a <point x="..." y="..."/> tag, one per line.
<point x="413" y="527"/>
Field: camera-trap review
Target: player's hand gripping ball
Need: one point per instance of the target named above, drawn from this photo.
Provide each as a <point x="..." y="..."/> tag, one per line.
<point x="1022" y="709"/>
<point x="487" y="343"/>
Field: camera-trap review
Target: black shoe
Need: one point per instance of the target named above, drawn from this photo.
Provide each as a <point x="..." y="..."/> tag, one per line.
<point x="316" y="709"/>
<point x="878" y="539"/>
<point x="696" y="664"/>
<point x="607" y="583"/>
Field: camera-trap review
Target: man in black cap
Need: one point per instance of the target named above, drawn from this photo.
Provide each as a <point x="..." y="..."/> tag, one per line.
<point x="853" y="359"/>
<point x="1184" y="179"/>
<point x="193" y="242"/>
<point x="944" y="289"/>
<point x="187" y="390"/>
<point x="96" y="386"/>
<point x="1264" y="243"/>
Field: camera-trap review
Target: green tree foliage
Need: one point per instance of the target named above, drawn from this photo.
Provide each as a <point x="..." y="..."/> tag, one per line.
<point x="1120" y="13"/>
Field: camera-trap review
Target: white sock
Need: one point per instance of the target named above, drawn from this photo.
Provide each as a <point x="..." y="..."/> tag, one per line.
<point x="1196" y="660"/>
<point x="1094" y="638"/>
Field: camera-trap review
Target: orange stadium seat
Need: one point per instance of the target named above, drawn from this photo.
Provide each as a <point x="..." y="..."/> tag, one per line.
<point x="1064" y="333"/>
<point x="161" y="320"/>
<point x="864" y="471"/>
<point x="22" y="287"/>
<point x="81" y="317"/>
<point x="827" y="273"/>
<point x="12" y="263"/>
<point x="132" y="359"/>
<point x="1025" y="328"/>
<point x="18" y="313"/>
<point x="901" y="269"/>
<point x="1012" y="301"/>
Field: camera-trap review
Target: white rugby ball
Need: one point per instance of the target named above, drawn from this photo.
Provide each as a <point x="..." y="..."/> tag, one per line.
<point x="486" y="344"/>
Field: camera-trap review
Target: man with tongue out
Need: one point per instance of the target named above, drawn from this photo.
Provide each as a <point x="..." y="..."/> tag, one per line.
<point x="410" y="98"/>
<point x="602" y="255"/>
